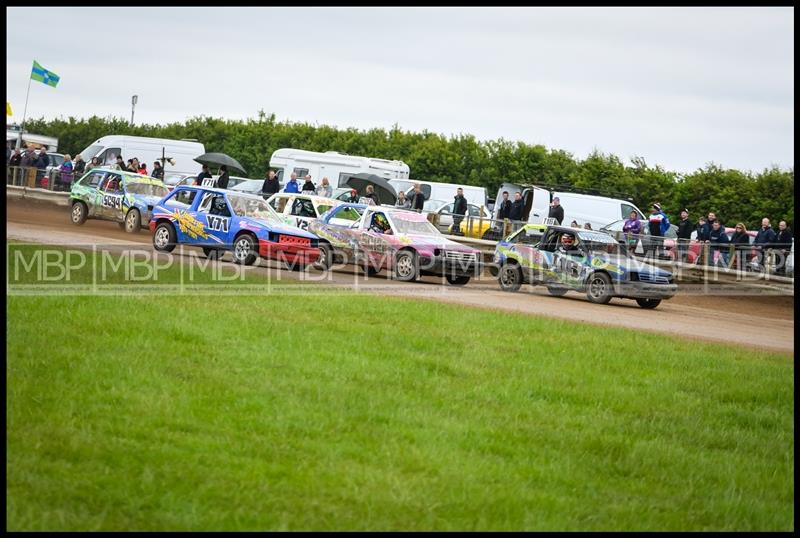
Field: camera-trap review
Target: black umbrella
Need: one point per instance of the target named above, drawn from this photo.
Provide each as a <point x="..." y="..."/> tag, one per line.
<point x="386" y="193"/>
<point x="219" y="159"/>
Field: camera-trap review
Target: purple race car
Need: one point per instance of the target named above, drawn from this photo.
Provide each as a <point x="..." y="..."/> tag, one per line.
<point x="405" y="242"/>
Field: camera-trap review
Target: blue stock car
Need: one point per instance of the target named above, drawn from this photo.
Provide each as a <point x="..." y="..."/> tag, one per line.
<point x="218" y="220"/>
<point x="595" y="264"/>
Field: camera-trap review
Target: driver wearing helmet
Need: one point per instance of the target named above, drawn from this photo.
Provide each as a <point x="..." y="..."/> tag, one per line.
<point x="380" y="224"/>
<point x="566" y="244"/>
<point x="219" y="207"/>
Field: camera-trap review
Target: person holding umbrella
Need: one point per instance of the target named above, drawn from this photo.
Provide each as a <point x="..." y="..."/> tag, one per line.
<point x="222" y="182"/>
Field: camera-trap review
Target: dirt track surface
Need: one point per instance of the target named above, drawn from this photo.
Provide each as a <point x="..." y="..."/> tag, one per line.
<point x="762" y="322"/>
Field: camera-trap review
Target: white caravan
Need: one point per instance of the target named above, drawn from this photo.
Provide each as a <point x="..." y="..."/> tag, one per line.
<point x="333" y="165"/>
<point x="147" y="150"/>
<point x="596" y="210"/>
<point x="442" y="191"/>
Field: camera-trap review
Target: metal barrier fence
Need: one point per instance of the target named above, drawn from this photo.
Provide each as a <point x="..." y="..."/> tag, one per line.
<point x="39" y="178"/>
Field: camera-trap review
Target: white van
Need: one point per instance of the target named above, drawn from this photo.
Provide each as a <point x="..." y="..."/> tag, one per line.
<point x="442" y="191"/>
<point x="596" y="210"/>
<point x="331" y="164"/>
<point x="147" y="150"/>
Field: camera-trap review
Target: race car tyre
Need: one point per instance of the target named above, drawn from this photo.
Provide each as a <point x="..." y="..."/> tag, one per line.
<point x="79" y="212"/>
<point x="132" y="221"/>
<point x="556" y="292"/>
<point x="211" y="253"/>
<point x="598" y="288"/>
<point x="164" y="237"/>
<point x="648" y="303"/>
<point x="325" y="257"/>
<point x="457" y="280"/>
<point x="244" y="250"/>
<point x="510" y="277"/>
<point x="406" y="266"/>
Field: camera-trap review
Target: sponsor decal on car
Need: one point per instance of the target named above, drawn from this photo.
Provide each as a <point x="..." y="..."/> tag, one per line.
<point x="189" y="225"/>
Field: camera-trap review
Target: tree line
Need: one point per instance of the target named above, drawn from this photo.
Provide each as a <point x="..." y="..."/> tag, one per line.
<point x="735" y="196"/>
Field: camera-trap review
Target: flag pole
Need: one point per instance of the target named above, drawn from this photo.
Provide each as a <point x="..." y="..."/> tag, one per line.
<point x="25" y="112"/>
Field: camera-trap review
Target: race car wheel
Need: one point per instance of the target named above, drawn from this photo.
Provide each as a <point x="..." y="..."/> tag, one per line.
<point x="325" y="257"/>
<point x="598" y="289"/>
<point x="510" y="277"/>
<point x="457" y="280"/>
<point x="556" y="292"/>
<point x="164" y="237"/>
<point x="79" y="213"/>
<point x="648" y="303"/>
<point x="405" y="266"/>
<point x="132" y="221"/>
<point x="244" y="250"/>
<point x="211" y="253"/>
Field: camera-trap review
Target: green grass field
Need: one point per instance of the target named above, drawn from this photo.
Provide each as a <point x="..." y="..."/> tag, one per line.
<point x="356" y="412"/>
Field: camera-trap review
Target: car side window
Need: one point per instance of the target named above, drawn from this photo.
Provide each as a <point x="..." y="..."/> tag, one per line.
<point x="474" y="211"/>
<point x="94" y="179"/>
<point x="626" y="211"/>
<point x="322" y="208"/>
<point x="214" y="204"/>
<point x="183" y="198"/>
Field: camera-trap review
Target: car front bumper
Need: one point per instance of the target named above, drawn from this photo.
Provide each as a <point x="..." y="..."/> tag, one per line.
<point x="645" y="290"/>
<point x="288" y="252"/>
<point x="440" y="266"/>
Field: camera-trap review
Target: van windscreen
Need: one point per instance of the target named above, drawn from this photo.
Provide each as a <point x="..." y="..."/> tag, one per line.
<point x="90" y="152"/>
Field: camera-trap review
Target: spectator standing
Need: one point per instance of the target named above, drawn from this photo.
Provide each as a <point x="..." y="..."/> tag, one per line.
<point x="658" y="224"/>
<point x="741" y="244"/>
<point x="783" y="245"/>
<point x="158" y="171"/>
<point x="459" y="210"/>
<point x="28" y="158"/>
<point x="417" y="199"/>
<point x="353" y="199"/>
<point x="271" y="185"/>
<point x="587" y="226"/>
<point x="402" y="202"/>
<point x="94" y="163"/>
<point x="308" y="186"/>
<point x="504" y="208"/>
<point x="517" y="208"/>
<point x="372" y="195"/>
<point x="65" y="172"/>
<point x="79" y="165"/>
<point x="42" y="163"/>
<point x="120" y="164"/>
<point x="718" y="241"/>
<point x="765" y="239"/>
<point x="142" y="169"/>
<point x="15" y="158"/>
<point x="685" y="228"/>
<point x="224" y="178"/>
<point x="205" y="174"/>
<point x="702" y="239"/>
<point x="574" y="224"/>
<point x="709" y="224"/>
<point x="291" y="185"/>
<point x="632" y="228"/>
<point x="325" y="188"/>
<point x="556" y="211"/>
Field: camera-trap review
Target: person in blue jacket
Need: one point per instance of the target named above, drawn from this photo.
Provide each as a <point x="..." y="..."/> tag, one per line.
<point x="291" y="185"/>
<point x="718" y="241"/>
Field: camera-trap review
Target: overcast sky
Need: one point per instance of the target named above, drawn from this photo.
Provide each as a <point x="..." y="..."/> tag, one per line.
<point x="678" y="86"/>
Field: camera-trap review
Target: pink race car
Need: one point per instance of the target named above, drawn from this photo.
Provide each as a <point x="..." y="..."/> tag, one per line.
<point x="398" y="240"/>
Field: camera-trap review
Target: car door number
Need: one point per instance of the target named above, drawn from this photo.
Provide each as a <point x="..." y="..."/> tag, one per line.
<point x="218" y="224"/>
<point x="112" y="201"/>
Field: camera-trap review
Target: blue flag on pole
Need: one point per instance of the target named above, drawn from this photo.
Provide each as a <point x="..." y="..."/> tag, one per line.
<point x="43" y="75"/>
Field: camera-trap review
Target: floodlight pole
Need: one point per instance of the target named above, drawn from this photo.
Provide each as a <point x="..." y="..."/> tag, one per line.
<point x="134" y="99"/>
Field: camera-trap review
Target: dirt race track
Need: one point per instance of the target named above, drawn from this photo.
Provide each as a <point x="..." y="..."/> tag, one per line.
<point x="765" y="322"/>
